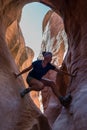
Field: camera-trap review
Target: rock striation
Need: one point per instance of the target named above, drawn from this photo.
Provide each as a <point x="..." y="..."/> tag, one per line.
<point x="54" y="40"/>
<point x="54" y="37"/>
<point x="16" y="113"/>
<point x="22" y="114"/>
<point x="75" y="20"/>
<point x="22" y="54"/>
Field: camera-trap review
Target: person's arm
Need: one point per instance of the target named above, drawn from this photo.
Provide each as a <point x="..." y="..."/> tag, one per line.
<point x="61" y="71"/>
<point x="24" y="71"/>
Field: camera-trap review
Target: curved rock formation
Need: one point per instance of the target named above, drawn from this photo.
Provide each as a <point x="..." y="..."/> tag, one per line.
<point x="22" y="114"/>
<point x="54" y="37"/>
<point x="75" y="21"/>
<point x="16" y="113"/>
<point x="54" y="40"/>
<point x="23" y="55"/>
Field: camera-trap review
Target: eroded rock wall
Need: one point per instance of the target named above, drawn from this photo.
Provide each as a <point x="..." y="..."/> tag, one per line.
<point x="54" y="37"/>
<point x="22" y="54"/>
<point x="16" y="113"/>
<point x="55" y="41"/>
<point x="75" y="20"/>
<point x="74" y="14"/>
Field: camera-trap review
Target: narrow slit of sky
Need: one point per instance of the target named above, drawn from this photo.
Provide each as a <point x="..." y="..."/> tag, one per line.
<point x="31" y="25"/>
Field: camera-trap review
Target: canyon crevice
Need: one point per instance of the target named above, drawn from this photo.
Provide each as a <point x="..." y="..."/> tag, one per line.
<point x="22" y="114"/>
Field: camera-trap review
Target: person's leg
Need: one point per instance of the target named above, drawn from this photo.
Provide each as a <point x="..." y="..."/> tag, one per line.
<point x="35" y="85"/>
<point x="51" y="84"/>
<point x="65" y="101"/>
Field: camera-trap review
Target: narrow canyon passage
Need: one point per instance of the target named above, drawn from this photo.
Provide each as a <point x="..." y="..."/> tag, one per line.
<point x="18" y="114"/>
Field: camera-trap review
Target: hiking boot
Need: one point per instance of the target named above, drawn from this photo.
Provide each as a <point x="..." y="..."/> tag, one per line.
<point x="65" y="101"/>
<point x="61" y="99"/>
<point x="68" y="98"/>
<point x="24" y="92"/>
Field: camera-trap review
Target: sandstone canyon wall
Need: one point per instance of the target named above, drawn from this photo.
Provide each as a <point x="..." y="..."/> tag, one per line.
<point x="75" y="20"/>
<point x="22" y="114"/>
<point x="22" y="54"/>
<point x="54" y="37"/>
<point x="54" y="40"/>
<point x="15" y="113"/>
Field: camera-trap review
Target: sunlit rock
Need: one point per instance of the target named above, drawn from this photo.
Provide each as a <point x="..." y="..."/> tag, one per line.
<point x="21" y="114"/>
<point x="54" y="37"/>
<point x="75" y="21"/>
<point x="22" y="54"/>
<point x="15" y="113"/>
<point x="55" y="41"/>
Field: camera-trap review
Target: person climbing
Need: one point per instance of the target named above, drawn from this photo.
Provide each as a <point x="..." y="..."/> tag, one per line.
<point x="36" y="81"/>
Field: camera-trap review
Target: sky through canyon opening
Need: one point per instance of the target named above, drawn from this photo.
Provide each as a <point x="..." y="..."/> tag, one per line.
<point x="31" y="25"/>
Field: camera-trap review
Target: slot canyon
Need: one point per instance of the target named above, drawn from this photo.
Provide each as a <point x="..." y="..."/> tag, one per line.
<point x="64" y="34"/>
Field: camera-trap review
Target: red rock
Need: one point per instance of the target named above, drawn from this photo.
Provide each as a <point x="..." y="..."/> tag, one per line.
<point x="75" y="20"/>
<point x="15" y="113"/>
<point x="54" y="40"/>
<point x="18" y="114"/>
